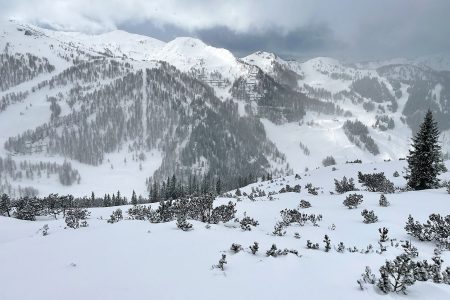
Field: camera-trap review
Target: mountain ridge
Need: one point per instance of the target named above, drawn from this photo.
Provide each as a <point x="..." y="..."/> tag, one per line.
<point x="172" y="96"/>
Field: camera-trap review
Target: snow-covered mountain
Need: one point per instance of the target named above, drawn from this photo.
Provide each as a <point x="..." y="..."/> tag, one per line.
<point x="95" y="111"/>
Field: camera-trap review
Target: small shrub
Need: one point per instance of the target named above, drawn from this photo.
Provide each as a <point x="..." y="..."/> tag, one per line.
<point x="222" y="262"/>
<point x="366" y="278"/>
<point x="235" y="247"/>
<point x="278" y="230"/>
<point x="353" y="200"/>
<point x="76" y="217"/>
<point x="139" y="212"/>
<point x="328" y="161"/>
<point x="397" y="275"/>
<point x="304" y="204"/>
<point x="383" y="234"/>
<point x="311" y="189"/>
<point x="254" y="248"/>
<point x="246" y="223"/>
<point x="396" y="174"/>
<point x="383" y="202"/>
<point x="44" y="230"/>
<point x="369" y="216"/>
<point x="327" y="242"/>
<point x="311" y="245"/>
<point x="376" y="182"/>
<point x="410" y="250"/>
<point x="340" y="248"/>
<point x="116" y="216"/>
<point x="183" y="224"/>
<point x="344" y="185"/>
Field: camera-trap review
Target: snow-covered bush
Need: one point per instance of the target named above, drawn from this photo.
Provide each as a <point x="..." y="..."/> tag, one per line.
<point x="138" y="212"/>
<point x="340" y="248"/>
<point x="44" y="230"/>
<point x="369" y="216"/>
<point x="397" y="275"/>
<point x="410" y="250"/>
<point x="436" y="229"/>
<point x="236" y="247"/>
<point x="376" y="182"/>
<point x="328" y="161"/>
<point x="353" y="200"/>
<point x="76" y="217"/>
<point x="304" y="204"/>
<point x="278" y="229"/>
<point x="288" y="189"/>
<point x="254" y="248"/>
<point x="27" y="208"/>
<point x="116" y="216"/>
<point x="396" y="174"/>
<point x="311" y="245"/>
<point x="275" y="252"/>
<point x="183" y="224"/>
<point x="272" y="251"/>
<point x="383" y="234"/>
<point x="366" y="278"/>
<point x="344" y="185"/>
<point x="222" y="262"/>
<point x="246" y="223"/>
<point x="223" y="213"/>
<point x="327" y="242"/>
<point x="383" y="202"/>
<point x="290" y="216"/>
<point x="312" y="189"/>
<point x="5" y="205"/>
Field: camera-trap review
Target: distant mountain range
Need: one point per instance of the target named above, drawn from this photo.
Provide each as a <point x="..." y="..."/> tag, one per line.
<point x="82" y="113"/>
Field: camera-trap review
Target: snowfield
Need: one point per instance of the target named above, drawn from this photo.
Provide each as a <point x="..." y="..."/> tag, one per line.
<point x="138" y="259"/>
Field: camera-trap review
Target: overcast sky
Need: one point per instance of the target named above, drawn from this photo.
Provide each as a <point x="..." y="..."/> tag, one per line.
<point x="359" y="29"/>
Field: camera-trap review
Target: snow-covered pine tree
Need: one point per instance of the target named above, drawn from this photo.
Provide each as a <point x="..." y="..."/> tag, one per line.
<point x="383" y="234"/>
<point x="5" y="205"/>
<point x="254" y="248"/>
<point x="236" y="247"/>
<point x="425" y="158"/>
<point x="183" y="224"/>
<point x="327" y="242"/>
<point x="353" y="200"/>
<point x="222" y="262"/>
<point x="397" y="275"/>
<point x="116" y="216"/>
<point x="383" y="202"/>
<point x="369" y="216"/>
<point x="134" y="200"/>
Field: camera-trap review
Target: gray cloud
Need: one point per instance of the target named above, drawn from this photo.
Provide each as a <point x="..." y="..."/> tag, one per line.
<point x="362" y="29"/>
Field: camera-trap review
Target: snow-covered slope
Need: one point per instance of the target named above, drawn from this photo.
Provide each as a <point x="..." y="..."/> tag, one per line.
<point x="296" y="111"/>
<point x="133" y="258"/>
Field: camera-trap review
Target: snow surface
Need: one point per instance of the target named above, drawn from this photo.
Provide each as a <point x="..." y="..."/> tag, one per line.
<point x="136" y="259"/>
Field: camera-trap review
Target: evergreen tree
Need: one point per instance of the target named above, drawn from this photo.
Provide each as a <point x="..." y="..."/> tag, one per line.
<point x="425" y="158"/>
<point x="154" y="192"/>
<point x="5" y="205"/>
<point x="218" y="186"/>
<point x="134" y="200"/>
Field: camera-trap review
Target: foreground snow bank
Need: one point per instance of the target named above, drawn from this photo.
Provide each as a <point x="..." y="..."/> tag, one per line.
<point x="137" y="259"/>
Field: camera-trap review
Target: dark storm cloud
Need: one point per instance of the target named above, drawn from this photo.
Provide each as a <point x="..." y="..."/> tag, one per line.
<point x="349" y="28"/>
<point x="317" y="39"/>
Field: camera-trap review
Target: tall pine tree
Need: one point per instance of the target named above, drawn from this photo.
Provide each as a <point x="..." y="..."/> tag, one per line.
<point x="425" y="158"/>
